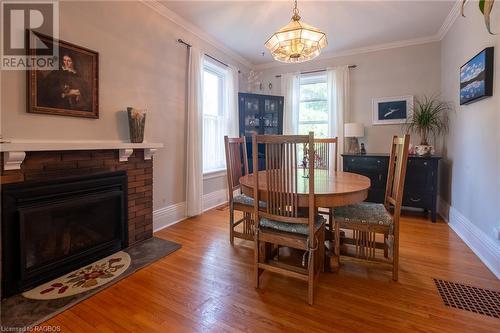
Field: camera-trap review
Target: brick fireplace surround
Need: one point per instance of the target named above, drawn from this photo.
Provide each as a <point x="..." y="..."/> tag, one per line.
<point x="44" y="165"/>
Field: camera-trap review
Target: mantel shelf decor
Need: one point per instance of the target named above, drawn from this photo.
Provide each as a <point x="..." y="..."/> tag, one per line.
<point x="136" y="123"/>
<point x="14" y="152"/>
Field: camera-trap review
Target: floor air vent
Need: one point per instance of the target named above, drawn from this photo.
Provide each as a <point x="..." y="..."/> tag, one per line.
<point x="478" y="300"/>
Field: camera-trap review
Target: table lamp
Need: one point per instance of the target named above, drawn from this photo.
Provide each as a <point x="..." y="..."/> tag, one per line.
<point x="353" y="131"/>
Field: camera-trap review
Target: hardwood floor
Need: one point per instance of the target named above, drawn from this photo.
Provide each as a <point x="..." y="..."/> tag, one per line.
<point x="208" y="286"/>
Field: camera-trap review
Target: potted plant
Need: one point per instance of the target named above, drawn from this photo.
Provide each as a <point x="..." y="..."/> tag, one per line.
<point x="429" y="117"/>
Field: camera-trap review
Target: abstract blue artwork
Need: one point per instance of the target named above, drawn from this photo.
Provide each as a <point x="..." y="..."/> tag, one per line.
<point x="476" y="77"/>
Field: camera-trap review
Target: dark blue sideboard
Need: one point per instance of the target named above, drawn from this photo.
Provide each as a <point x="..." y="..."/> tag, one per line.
<point x="421" y="181"/>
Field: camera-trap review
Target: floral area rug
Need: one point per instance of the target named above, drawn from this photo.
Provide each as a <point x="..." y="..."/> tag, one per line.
<point x="83" y="279"/>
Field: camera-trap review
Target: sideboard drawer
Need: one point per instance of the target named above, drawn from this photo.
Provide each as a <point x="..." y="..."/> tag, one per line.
<point x="418" y="200"/>
<point x="422" y="176"/>
<point x="379" y="163"/>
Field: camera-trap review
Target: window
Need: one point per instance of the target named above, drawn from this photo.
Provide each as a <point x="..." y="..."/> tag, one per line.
<point x="313" y="105"/>
<point x="214" y="117"/>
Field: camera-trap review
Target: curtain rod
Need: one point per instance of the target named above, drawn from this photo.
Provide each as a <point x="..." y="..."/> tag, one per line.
<point x="183" y="42"/>
<point x="208" y="55"/>
<point x="321" y="70"/>
<point x="215" y="59"/>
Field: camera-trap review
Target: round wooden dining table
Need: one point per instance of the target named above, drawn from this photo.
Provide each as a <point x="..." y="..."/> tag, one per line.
<point x="331" y="189"/>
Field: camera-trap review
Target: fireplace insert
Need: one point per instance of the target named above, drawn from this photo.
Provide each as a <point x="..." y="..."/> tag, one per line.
<point x="50" y="228"/>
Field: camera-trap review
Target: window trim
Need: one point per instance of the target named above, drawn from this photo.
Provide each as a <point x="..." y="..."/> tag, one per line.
<point x="216" y="173"/>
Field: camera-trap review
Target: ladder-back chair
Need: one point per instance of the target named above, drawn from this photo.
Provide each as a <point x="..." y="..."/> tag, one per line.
<point x="367" y="220"/>
<point x="237" y="166"/>
<point x="282" y="223"/>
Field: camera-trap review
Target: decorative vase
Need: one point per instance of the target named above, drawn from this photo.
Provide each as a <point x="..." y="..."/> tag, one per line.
<point x="424" y="150"/>
<point x="136" y="123"/>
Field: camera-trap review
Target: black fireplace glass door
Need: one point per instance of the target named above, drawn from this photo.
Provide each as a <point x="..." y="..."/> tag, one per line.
<point x="61" y="229"/>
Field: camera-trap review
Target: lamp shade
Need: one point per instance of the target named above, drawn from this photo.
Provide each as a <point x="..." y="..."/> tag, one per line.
<point x="354" y="130"/>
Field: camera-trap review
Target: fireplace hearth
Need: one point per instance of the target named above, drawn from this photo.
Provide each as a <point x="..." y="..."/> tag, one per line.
<point x="52" y="227"/>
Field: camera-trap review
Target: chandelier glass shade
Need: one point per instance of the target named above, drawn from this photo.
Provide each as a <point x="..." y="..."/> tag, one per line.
<point x="297" y="41"/>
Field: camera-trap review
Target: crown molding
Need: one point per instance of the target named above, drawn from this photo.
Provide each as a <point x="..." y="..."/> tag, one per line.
<point x="179" y="20"/>
<point x="172" y="16"/>
<point x="449" y="20"/>
<point x="445" y="27"/>
<point x="360" y="50"/>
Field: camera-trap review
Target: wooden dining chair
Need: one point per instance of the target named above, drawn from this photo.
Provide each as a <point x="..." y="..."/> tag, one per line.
<point x="367" y="220"/>
<point x="282" y="223"/>
<point x="326" y="153"/>
<point x="237" y="166"/>
<point x="326" y="158"/>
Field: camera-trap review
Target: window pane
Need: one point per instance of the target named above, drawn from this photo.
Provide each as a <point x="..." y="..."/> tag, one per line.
<point x="213" y="143"/>
<point x="211" y="93"/>
<point x="313" y="91"/>
<point x="317" y="111"/>
<point x="320" y="130"/>
<point x="214" y="120"/>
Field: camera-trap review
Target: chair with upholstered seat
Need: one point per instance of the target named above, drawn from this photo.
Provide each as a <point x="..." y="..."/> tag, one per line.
<point x="236" y="167"/>
<point x="368" y="220"/>
<point x="282" y="223"/>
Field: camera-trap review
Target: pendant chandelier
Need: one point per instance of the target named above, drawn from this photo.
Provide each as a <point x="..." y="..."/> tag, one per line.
<point x="296" y="41"/>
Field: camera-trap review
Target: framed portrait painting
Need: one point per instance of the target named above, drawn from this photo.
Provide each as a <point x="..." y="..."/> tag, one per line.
<point x="476" y="77"/>
<point x="71" y="89"/>
<point x="391" y="110"/>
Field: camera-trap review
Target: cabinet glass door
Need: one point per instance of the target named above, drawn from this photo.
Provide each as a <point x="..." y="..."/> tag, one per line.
<point x="270" y="117"/>
<point x="251" y="120"/>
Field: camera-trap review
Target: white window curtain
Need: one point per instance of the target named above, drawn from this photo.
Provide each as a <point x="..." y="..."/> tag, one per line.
<point x="290" y="89"/>
<point x="338" y="99"/>
<point x="232" y="80"/>
<point x="194" y="166"/>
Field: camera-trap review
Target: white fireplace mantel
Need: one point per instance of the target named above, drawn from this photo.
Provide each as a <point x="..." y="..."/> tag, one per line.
<point x="15" y="150"/>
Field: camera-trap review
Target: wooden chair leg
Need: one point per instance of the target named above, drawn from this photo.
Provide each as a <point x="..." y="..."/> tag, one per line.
<point x="337" y="239"/>
<point x="310" y="281"/>
<point x="256" y="259"/>
<point x="231" y="225"/>
<point x="386" y="249"/>
<point x="330" y="223"/>
<point x="395" y="269"/>
<point x="321" y="249"/>
<point x="395" y="258"/>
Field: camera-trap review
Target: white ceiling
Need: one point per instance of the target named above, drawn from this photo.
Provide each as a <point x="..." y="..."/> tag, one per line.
<point x="244" y="26"/>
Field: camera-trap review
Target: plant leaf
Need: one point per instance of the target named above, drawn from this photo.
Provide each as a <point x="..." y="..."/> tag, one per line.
<point x="463" y="7"/>
<point x="486" y="10"/>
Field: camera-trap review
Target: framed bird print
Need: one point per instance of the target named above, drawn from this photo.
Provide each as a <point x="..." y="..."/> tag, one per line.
<point x="391" y="110"/>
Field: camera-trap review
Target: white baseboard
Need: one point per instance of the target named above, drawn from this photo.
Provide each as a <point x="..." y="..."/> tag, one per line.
<point x="167" y="216"/>
<point x="214" y="199"/>
<point x="443" y="209"/>
<point x="484" y="247"/>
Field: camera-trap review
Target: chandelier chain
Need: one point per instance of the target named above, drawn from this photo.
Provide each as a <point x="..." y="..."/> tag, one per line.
<point x="296" y="16"/>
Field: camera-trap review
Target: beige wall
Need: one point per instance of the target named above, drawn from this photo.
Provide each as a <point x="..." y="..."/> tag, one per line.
<point x="470" y="177"/>
<point x="413" y="70"/>
<point x="141" y="65"/>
